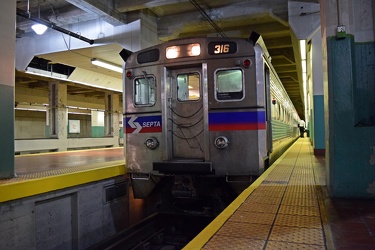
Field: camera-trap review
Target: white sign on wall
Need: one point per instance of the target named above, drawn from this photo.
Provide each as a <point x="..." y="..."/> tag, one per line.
<point x="74" y="126"/>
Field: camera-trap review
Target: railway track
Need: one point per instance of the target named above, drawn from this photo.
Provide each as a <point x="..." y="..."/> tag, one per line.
<point x="159" y="231"/>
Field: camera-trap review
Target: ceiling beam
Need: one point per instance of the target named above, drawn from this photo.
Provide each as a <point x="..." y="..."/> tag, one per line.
<point x="171" y="26"/>
<point x="279" y="42"/>
<point x="104" y="9"/>
<point x="285" y="68"/>
<point x="125" y="6"/>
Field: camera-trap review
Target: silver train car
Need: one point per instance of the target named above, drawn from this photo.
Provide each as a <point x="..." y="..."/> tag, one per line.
<point x="204" y="113"/>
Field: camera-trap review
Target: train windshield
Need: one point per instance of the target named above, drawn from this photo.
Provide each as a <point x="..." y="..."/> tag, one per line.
<point x="229" y="84"/>
<point x="144" y="91"/>
<point x="188" y="86"/>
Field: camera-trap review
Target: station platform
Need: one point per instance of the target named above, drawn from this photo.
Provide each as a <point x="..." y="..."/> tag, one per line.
<point x="42" y="173"/>
<point x="288" y="207"/>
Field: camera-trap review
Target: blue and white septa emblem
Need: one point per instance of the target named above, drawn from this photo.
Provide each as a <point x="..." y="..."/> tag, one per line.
<point x="135" y="125"/>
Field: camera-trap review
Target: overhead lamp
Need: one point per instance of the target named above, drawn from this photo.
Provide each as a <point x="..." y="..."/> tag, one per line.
<point x="303" y="51"/>
<point x="106" y="65"/>
<point x="39" y="28"/>
<point x="302" y="44"/>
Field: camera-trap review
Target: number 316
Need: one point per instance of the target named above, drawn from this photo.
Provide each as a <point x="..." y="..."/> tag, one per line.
<point x="221" y="48"/>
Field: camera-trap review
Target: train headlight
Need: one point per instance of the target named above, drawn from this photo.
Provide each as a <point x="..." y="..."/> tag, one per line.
<point x="172" y="52"/>
<point x="221" y="142"/>
<point x="194" y="49"/>
<point x="152" y="143"/>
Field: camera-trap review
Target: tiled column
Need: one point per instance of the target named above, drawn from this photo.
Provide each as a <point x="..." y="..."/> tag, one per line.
<point x="7" y="83"/>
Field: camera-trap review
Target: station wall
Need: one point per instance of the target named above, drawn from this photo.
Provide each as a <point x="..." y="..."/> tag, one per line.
<point x="32" y="127"/>
<point x="72" y="218"/>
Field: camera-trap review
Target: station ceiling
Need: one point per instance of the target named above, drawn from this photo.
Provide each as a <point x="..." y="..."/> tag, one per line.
<point x="175" y="19"/>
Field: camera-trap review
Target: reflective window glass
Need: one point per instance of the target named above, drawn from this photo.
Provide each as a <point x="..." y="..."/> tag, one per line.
<point x="188" y="87"/>
<point x="229" y="84"/>
<point x="144" y="91"/>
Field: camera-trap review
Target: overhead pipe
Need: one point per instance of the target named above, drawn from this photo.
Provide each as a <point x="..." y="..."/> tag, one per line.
<point x="51" y="25"/>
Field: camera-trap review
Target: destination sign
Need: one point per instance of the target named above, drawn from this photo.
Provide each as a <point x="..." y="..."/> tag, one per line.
<point x="217" y="48"/>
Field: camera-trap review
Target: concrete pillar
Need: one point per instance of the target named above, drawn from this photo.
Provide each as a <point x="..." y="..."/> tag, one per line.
<point x="51" y="117"/>
<point x="348" y="40"/>
<point x="304" y="20"/>
<point x="7" y="68"/>
<point x="58" y="114"/>
<point x="108" y="117"/>
<point x="317" y="113"/>
<point x="97" y="123"/>
<point x="111" y="122"/>
<point x="116" y="119"/>
<point x="148" y="30"/>
<point x="62" y="117"/>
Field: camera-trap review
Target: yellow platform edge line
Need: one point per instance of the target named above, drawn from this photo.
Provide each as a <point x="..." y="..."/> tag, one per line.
<point x="208" y="232"/>
<point x="67" y="151"/>
<point x="17" y="190"/>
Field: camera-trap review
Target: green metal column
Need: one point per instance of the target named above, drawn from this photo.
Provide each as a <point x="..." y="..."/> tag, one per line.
<point x="7" y="73"/>
<point x="317" y="131"/>
<point x="349" y="97"/>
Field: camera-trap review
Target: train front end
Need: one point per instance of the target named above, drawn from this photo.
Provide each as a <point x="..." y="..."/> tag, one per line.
<point x="195" y="117"/>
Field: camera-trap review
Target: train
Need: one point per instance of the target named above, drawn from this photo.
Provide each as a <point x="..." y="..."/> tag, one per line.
<point x="203" y="116"/>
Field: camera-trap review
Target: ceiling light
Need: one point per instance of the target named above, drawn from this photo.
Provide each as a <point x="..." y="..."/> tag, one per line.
<point x="106" y="65"/>
<point x="39" y="28"/>
<point x="302" y="44"/>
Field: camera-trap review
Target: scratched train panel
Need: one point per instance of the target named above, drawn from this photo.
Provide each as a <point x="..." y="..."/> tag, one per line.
<point x="200" y="113"/>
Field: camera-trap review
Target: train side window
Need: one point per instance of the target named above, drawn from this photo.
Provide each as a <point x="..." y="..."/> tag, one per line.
<point x="144" y="91"/>
<point x="229" y="84"/>
<point x="188" y="87"/>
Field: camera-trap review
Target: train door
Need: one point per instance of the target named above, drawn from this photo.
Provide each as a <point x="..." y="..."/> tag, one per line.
<point x="267" y="84"/>
<point x="186" y="115"/>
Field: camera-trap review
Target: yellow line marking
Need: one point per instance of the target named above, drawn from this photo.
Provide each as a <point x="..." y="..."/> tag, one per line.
<point x="17" y="190"/>
<point x="208" y="232"/>
<point x="67" y="151"/>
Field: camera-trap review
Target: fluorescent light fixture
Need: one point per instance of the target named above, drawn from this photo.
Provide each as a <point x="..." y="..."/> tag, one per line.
<point x="32" y="72"/>
<point x="31" y="109"/>
<point x="303" y="64"/>
<point x="39" y="28"/>
<point x="106" y="65"/>
<point x="302" y="45"/>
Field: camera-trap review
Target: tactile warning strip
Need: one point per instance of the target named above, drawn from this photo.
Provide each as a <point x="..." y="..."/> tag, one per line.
<point x="261" y="200"/>
<point x="300" y="202"/>
<point x="277" y="245"/>
<point x="223" y="242"/>
<point x="254" y="218"/>
<point x="310" y="236"/>
<point x="281" y="213"/>
<point x="259" y="208"/>
<point x="244" y="230"/>
<point x="298" y="210"/>
<point x="298" y="221"/>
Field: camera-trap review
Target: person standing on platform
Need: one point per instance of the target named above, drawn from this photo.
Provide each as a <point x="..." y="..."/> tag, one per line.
<point x="301" y="126"/>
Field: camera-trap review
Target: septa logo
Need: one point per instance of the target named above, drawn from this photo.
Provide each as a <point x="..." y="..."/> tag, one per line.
<point x="143" y="124"/>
